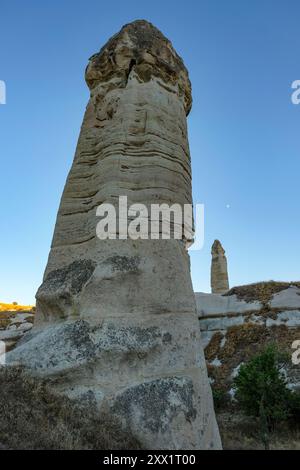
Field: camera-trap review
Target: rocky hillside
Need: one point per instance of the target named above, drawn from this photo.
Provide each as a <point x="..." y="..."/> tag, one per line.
<point x="238" y="324"/>
<point x="15" y="321"/>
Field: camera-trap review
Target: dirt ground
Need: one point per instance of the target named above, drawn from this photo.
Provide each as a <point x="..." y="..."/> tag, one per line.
<point x="242" y="433"/>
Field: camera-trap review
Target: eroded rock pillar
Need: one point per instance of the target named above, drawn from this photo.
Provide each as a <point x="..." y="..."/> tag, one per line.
<point x="116" y="319"/>
<point x="219" y="272"/>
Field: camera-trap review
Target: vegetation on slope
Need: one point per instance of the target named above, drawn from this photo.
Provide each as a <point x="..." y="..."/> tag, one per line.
<point x="264" y="411"/>
<point x="261" y="291"/>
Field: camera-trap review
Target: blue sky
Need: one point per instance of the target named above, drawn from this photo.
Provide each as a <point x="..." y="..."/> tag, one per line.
<point x="242" y="57"/>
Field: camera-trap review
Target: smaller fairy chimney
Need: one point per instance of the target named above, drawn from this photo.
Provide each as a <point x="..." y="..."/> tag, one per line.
<point x="219" y="274"/>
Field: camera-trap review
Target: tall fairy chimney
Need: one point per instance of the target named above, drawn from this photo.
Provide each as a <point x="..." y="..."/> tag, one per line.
<point x="116" y="317"/>
<point x="219" y="273"/>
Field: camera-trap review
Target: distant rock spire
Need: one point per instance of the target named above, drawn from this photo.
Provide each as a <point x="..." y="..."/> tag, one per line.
<point x="219" y="274"/>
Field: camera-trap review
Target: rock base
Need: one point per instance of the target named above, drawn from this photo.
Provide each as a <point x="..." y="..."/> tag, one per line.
<point x="149" y="372"/>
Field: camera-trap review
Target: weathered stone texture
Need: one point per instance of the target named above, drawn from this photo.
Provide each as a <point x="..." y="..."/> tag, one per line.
<point x="219" y="274"/>
<point x="133" y="143"/>
<point x="116" y="319"/>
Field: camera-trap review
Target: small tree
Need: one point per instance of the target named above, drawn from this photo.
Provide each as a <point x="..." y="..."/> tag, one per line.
<point x="295" y="407"/>
<point x="219" y="397"/>
<point x="261" y="390"/>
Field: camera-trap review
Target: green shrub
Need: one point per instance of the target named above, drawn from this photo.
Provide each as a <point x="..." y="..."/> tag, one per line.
<point x="219" y="397"/>
<point x="294" y="403"/>
<point x="261" y="391"/>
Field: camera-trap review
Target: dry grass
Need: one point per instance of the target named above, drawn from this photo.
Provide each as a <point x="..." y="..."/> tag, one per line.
<point x="242" y="343"/>
<point x="239" y="432"/>
<point x="6" y="316"/>
<point x="261" y="291"/>
<point x="15" y="308"/>
<point x="5" y="319"/>
<point x="32" y="417"/>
